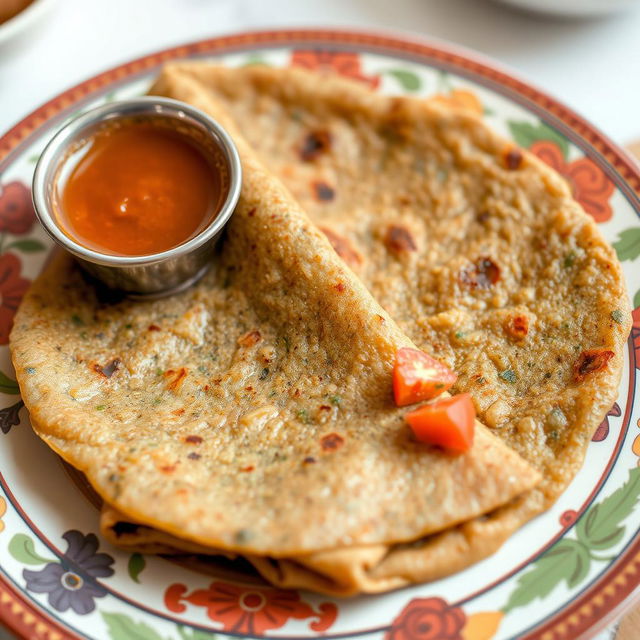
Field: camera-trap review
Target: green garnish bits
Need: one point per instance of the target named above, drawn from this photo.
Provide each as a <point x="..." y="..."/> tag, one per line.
<point x="335" y="400"/>
<point x="508" y="375"/>
<point x="617" y="316"/>
<point x="569" y="259"/>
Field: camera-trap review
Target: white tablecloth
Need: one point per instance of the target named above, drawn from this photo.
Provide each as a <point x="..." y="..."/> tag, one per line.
<point x="592" y="65"/>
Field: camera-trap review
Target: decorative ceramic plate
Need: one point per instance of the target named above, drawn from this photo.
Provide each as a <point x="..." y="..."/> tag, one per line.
<point x="563" y="575"/>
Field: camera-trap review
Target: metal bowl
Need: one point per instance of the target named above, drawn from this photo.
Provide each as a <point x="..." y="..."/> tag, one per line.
<point x="157" y="274"/>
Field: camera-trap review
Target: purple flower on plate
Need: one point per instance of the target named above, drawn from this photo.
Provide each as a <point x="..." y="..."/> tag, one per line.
<point x="71" y="582"/>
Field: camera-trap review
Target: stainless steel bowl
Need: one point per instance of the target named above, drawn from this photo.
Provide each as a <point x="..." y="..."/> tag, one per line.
<point x="157" y="274"/>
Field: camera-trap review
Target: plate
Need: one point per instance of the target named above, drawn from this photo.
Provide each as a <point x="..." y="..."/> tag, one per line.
<point x="563" y="575"/>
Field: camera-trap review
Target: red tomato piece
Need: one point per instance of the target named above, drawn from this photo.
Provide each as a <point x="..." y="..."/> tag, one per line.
<point x="417" y="376"/>
<point x="447" y="423"/>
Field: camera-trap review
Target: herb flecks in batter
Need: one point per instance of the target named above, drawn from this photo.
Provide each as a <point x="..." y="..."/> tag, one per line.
<point x="508" y="375"/>
<point x="243" y="535"/>
<point x="322" y="191"/>
<point x="556" y="419"/>
<point x="591" y="361"/>
<point x="617" y="316"/>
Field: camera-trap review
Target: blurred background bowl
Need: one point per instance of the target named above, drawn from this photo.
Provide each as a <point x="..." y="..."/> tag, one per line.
<point x="23" y="22"/>
<point x="573" y="7"/>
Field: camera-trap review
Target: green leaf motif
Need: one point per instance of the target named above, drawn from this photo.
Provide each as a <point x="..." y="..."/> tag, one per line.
<point x="627" y="245"/>
<point x="21" y="547"/>
<point x="568" y="560"/>
<point x="255" y="59"/>
<point x="525" y="134"/>
<point x="408" y="80"/>
<point x="194" y="634"/>
<point x="136" y="564"/>
<point x="8" y="386"/>
<point x="27" y="246"/>
<point x="601" y="526"/>
<point x="122" y="627"/>
<point x="636" y="299"/>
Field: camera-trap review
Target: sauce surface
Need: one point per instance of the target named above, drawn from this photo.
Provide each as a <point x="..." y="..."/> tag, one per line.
<point x="139" y="189"/>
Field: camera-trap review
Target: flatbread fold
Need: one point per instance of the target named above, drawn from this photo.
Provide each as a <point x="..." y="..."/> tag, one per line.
<point x="256" y="418"/>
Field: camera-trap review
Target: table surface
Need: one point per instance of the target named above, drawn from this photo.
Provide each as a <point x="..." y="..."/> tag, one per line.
<point x="593" y="65"/>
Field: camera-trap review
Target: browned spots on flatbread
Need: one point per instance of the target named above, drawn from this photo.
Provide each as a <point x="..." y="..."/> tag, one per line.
<point x="517" y="326"/>
<point x="175" y="378"/>
<point x="167" y="468"/>
<point x="154" y="327"/>
<point x="193" y="439"/>
<point x="108" y="369"/>
<point x="482" y="274"/>
<point x="512" y="157"/>
<point x="342" y="246"/>
<point x="331" y="442"/>
<point x="322" y="191"/>
<point x="194" y="456"/>
<point x="315" y="144"/>
<point x="250" y="338"/>
<point x="399" y="239"/>
<point x="590" y="361"/>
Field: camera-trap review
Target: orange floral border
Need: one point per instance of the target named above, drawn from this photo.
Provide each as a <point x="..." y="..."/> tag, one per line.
<point x="623" y="582"/>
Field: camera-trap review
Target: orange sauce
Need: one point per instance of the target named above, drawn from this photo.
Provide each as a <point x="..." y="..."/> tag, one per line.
<point x="139" y="189"/>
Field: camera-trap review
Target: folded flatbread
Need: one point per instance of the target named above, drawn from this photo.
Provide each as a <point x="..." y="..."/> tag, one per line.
<point x="252" y="414"/>
<point x="258" y="420"/>
<point x="475" y="248"/>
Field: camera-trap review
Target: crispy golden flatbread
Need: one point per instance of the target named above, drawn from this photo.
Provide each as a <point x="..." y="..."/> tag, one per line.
<point x="477" y="250"/>
<point x="253" y="413"/>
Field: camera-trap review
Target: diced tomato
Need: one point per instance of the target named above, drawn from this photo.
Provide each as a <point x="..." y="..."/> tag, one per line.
<point x="417" y="376"/>
<point x="447" y="423"/>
